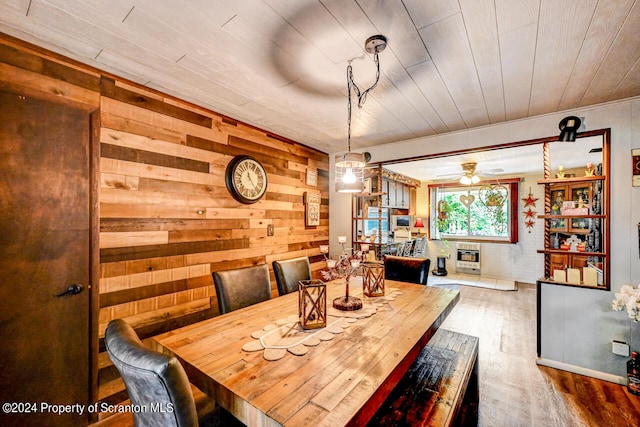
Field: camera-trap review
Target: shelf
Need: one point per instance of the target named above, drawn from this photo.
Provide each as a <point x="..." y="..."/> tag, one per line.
<point x="569" y="216"/>
<point x="577" y="285"/>
<point x="368" y="219"/>
<point x="572" y="180"/>
<point x="560" y="251"/>
<point x="589" y="222"/>
<point x="374" y="194"/>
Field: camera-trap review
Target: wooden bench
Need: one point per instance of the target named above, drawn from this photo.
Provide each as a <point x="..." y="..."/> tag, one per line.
<point x="439" y="389"/>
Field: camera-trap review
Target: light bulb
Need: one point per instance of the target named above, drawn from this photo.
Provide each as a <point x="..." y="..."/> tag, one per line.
<point x="348" y="177"/>
<point x="475" y="179"/>
<point x="465" y="180"/>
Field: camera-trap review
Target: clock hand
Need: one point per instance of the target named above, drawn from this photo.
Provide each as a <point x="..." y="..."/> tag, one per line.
<point x="251" y="179"/>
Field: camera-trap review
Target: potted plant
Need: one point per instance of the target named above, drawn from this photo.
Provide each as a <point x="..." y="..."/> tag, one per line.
<point x="443" y="215"/>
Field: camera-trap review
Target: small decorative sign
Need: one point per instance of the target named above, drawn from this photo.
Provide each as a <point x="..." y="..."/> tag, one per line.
<point x="312" y="177"/>
<point x="312" y="208"/>
<point x="312" y="304"/>
<point x="635" y="162"/>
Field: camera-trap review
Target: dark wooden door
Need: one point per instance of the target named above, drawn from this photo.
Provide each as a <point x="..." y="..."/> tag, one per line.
<point x="44" y="249"/>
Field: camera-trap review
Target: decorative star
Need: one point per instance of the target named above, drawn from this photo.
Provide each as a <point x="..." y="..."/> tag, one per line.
<point x="529" y="213"/>
<point x="530" y="200"/>
<point x="530" y="223"/>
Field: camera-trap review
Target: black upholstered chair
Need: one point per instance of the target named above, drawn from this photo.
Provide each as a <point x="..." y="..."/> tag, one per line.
<point x="242" y="287"/>
<point x="289" y="272"/>
<point x="154" y="378"/>
<point x="405" y="269"/>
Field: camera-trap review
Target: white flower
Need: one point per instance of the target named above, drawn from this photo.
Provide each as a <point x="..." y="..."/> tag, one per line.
<point x="617" y="304"/>
<point x="628" y="298"/>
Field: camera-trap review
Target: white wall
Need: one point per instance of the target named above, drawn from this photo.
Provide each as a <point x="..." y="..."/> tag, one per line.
<point x="578" y="324"/>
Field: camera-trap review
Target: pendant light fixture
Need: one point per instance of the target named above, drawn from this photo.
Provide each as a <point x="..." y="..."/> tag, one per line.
<point x="349" y="167"/>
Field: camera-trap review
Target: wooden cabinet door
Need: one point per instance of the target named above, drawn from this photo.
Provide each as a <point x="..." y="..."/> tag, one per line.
<point x="406" y="198"/>
<point x="45" y="222"/>
<point x="579" y="261"/>
<point x="386" y="196"/>
<point x="558" y="262"/>
<point x="392" y="194"/>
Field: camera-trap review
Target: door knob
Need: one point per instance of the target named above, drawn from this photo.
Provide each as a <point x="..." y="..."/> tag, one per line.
<point x="72" y="290"/>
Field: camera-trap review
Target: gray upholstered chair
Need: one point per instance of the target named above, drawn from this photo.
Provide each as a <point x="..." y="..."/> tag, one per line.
<point x="405" y="269"/>
<point x="242" y="287"/>
<point x="289" y="272"/>
<point x="154" y="378"/>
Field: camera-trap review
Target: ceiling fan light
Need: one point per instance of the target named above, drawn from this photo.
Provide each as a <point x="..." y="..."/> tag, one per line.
<point x="475" y="179"/>
<point x="465" y="180"/>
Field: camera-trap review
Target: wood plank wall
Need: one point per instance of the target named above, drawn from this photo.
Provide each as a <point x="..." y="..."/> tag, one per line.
<point x="166" y="218"/>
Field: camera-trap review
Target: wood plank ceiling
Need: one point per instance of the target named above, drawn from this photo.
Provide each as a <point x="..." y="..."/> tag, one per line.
<point x="281" y="64"/>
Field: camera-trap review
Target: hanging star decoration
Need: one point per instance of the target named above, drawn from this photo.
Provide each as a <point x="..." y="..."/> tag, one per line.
<point x="530" y="200"/>
<point x="529" y="214"/>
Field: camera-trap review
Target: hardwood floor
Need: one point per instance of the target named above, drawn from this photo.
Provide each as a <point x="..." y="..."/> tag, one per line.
<point x="514" y="391"/>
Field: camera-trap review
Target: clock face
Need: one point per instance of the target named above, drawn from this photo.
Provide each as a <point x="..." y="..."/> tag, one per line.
<point x="246" y="179"/>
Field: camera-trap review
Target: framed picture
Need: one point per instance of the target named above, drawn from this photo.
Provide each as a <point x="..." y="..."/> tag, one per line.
<point x="635" y="166"/>
<point x="312" y="177"/>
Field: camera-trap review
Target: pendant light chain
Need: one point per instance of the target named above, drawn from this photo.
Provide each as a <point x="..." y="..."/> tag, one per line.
<point x="362" y="96"/>
<point x="349" y="167"/>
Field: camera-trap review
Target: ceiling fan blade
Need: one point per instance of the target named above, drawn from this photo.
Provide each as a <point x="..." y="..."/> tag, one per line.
<point x="450" y="175"/>
<point x="489" y="172"/>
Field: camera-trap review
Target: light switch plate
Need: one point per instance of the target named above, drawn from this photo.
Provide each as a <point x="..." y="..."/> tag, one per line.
<point x="620" y="348"/>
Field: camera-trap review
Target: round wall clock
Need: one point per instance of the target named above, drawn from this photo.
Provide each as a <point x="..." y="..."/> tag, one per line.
<point x="246" y="179"/>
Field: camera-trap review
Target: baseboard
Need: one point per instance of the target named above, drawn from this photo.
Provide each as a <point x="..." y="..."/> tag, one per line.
<point x="582" y="371"/>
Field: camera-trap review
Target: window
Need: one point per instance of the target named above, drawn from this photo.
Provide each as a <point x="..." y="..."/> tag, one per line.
<point x="484" y="212"/>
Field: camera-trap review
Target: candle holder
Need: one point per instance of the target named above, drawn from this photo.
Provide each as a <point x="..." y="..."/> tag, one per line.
<point x="343" y="268"/>
<point x="373" y="280"/>
<point x="312" y="304"/>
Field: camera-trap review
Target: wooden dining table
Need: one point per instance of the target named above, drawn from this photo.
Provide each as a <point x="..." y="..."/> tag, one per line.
<point x="340" y="381"/>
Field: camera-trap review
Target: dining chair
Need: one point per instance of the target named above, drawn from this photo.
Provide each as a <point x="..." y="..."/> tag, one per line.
<point x="155" y="380"/>
<point x="289" y="272"/>
<point x="241" y="287"/>
<point x="406" y="269"/>
<point x="407" y="249"/>
<point x="420" y="248"/>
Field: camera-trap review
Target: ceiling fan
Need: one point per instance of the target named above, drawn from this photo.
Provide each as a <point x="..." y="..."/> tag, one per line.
<point x="469" y="175"/>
